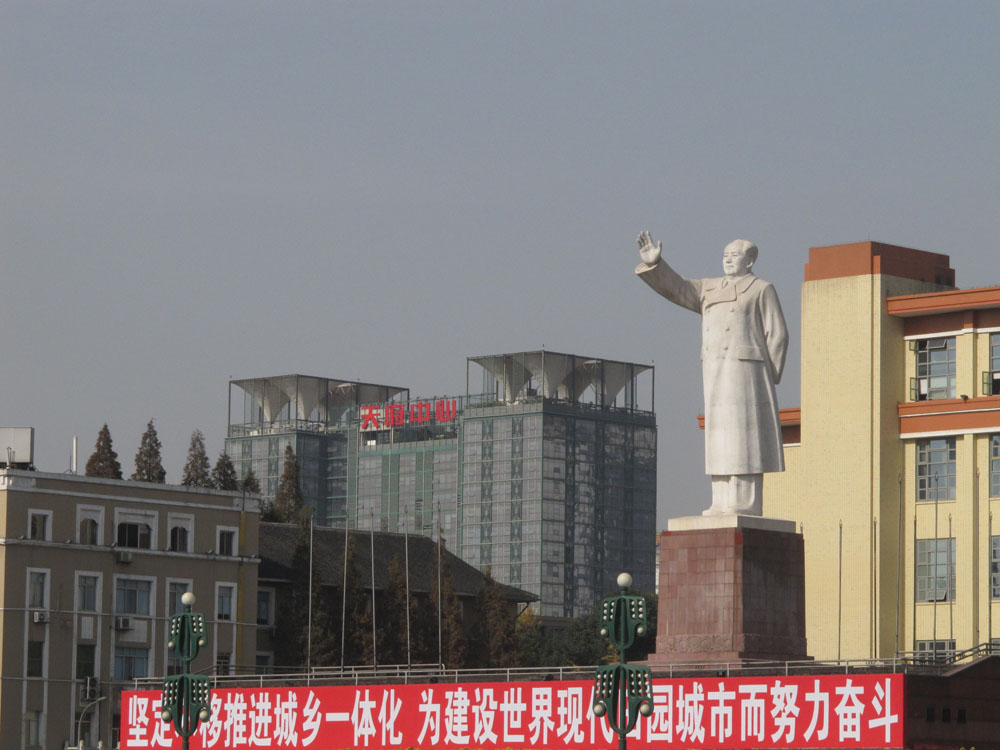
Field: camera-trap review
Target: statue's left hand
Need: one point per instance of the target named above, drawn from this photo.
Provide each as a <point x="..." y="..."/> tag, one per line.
<point x="649" y="252"/>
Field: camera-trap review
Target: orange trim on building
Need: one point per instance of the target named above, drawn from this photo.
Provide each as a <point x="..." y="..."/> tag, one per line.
<point x="789" y="417"/>
<point x="949" y="415"/>
<point x="868" y="258"/>
<point x="937" y="303"/>
<point x="791" y="433"/>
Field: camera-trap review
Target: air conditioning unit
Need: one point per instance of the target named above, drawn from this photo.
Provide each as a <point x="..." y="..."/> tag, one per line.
<point x="123" y="557"/>
<point x="123" y="623"/>
<point x="40" y="617"/>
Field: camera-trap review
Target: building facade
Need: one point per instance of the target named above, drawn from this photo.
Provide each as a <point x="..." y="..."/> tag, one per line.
<point x="544" y="471"/>
<point x="90" y="572"/>
<point x="893" y="460"/>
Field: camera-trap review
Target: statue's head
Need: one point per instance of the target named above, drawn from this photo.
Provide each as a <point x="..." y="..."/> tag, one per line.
<point x="738" y="257"/>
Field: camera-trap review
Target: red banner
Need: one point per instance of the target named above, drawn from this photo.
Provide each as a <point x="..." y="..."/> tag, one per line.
<point x="827" y="711"/>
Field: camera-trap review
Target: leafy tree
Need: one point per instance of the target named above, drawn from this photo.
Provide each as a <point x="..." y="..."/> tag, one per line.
<point x="224" y="474"/>
<point x="196" y="468"/>
<point x="534" y="645"/>
<point x="251" y="485"/>
<point x="103" y="462"/>
<point x="148" y="461"/>
<point x="288" y="499"/>
<point x="497" y="634"/>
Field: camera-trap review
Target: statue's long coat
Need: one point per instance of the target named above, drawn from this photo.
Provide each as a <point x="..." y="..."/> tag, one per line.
<point x="744" y="339"/>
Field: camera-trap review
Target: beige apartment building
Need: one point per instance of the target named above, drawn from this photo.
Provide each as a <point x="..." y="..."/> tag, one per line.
<point x="90" y="572"/>
<point x="893" y="459"/>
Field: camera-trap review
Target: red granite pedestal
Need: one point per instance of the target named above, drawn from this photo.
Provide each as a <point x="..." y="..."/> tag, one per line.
<point x="732" y="593"/>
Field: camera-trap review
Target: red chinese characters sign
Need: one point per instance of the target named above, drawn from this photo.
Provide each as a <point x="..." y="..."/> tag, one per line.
<point x="387" y="416"/>
<point x="827" y="711"/>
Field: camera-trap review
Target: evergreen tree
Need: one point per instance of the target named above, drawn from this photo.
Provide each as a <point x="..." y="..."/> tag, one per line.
<point x="453" y="640"/>
<point x="288" y="499"/>
<point x="358" y="638"/>
<point x="103" y="462"/>
<point x="392" y="624"/>
<point x="196" y="468"/>
<point x="251" y="485"/>
<point x="498" y="626"/>
<point x="148" y="461"/>
<point x="224" y="474"/>
<point x="326" y="627"/>
<point x="290" y="643"/>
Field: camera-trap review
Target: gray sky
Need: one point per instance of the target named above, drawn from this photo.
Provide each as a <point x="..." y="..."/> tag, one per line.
<point x="194" y="191"/>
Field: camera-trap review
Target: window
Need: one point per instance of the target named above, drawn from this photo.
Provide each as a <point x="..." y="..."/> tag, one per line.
<point x="265" y="660"/>
<point x="995" y="567"/>
<point x="224" y="605"/>
<point x="86" y="590"/>
<point x="36" y="589"/>
<point x="33" y="728"/>
<point x="88" y="531"/>
<point x="935" y="650"/>
<point x="174" y="665"/>
<point x="36" y="652"/>
<point x="178" y="539"/>
<point x="226" y="542"/>
<point x="224" y="663"/>
<point x="995" y="466"/>
<point x="175" y="591"/>
<point x="89" y="522"/>
<point x="39" y="523"/>
<point x="131" y="663"/>
<point x="132" y="596"/>
<point x="936" y="469"/>
<point x="265" y="606"/>
<point x="181" y="532"/>
<point x="935" y="369"/>
<point x="991" y="378"/>
<point x="85" y="660"/>
<point x="135" y="535"/>
<point x="935" y="570"/>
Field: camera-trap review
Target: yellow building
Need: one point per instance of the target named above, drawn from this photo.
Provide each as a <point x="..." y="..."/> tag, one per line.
<point x="893" y="460"/>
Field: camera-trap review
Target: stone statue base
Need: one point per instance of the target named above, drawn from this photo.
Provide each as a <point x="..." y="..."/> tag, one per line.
<point x="732" y="589"/>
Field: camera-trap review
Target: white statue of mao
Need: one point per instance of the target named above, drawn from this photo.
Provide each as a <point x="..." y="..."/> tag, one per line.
<point x="744" y="339"/>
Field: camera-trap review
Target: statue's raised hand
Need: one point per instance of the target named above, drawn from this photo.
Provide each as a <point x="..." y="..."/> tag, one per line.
<point x="649" y="252"/>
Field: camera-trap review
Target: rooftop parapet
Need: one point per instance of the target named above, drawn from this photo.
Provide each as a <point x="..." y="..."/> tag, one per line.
<point x="606" y="383"/>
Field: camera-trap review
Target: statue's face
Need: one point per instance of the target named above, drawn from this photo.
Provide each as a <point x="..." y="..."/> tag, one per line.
<point x="735" y="261"/>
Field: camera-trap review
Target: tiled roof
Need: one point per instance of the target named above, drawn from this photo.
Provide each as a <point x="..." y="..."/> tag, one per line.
<point x="277" y="548"/>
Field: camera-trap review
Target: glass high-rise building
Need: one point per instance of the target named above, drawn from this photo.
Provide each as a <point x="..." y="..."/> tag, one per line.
<point x="544" y="471"/>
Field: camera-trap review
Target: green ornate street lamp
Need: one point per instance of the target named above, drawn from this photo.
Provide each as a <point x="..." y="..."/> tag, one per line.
<point x="623" y="691"/>
<point x="186" y="696"/>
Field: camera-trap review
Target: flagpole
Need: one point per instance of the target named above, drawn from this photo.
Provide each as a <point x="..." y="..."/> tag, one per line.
<point x="406" y="557"/>
<point x="309" y="631"/>
<point x="440" y="652"/>
<point x="343" y="589"/>
<point x="374" y="642"/>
